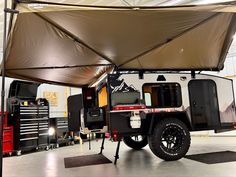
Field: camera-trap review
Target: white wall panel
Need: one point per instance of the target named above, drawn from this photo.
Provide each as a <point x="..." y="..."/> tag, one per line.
<point x="75" y="91"/>
<point x="61" y="109"/>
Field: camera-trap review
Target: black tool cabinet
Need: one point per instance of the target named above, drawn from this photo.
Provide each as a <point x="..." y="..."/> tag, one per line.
<point x="28" y="116"/>
<point x="31" y="123"/>
<point x="60" y="124"/>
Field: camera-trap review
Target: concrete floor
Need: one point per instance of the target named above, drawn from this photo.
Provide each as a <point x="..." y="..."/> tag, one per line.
<point x="131" y="163"/>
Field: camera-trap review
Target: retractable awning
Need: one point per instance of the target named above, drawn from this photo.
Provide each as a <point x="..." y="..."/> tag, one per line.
<point x="74" y="45"/>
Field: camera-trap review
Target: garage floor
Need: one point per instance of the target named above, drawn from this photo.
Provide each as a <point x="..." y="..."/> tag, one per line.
<point x="131" y="163"/>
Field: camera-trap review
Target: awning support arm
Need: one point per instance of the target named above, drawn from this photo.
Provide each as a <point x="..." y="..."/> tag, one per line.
<point x="193" y="74"/>
<point x="12" y="11"/>
<point x="58" y="67"/>
<point x="6" y="10"/>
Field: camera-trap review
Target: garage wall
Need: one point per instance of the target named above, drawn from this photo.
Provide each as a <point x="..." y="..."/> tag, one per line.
<point x="75" y="91"/>
<point x="62" y="93"/>
<point x="58" y="108"/>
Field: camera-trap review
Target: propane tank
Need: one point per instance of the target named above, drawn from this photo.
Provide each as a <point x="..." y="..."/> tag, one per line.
<point x="135" y="119"/>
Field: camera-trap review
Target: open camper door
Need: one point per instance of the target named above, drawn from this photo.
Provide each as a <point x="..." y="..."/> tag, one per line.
<point x="92" y="116"/>
<point x="212" y="104"/>
<point x="204" y="106"/>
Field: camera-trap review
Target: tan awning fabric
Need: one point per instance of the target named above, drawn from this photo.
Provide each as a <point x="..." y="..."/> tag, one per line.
<point x="198" y="48"/>
<point x="74" y="45"/>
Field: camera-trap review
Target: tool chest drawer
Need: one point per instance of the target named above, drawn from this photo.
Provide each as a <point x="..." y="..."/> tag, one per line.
<point x="8" y="140"/>
<point x="8" y="133"/>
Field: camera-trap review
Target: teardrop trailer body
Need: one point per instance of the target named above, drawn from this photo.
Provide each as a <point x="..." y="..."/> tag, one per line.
<point x="159" y="109"/>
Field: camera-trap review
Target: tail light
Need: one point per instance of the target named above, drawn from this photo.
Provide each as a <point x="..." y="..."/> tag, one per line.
<point x="107" y="135"/>
<point x="115" y="135"/>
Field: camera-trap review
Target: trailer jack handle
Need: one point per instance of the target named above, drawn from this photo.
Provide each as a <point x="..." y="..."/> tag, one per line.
<point x="117" y="152"/>
<point x="89" y="142"/>
<point x="103" y="140"/>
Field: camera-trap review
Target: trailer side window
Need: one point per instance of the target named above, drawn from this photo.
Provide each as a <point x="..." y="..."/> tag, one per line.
<point x="162" y="95"/>
<point x="121" y="98"/>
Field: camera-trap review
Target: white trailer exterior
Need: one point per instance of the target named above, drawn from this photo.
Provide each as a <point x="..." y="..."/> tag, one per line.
<point x="224" y="88"/>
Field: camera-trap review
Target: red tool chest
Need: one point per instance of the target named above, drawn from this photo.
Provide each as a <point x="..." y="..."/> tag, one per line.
<point x="7" y="136"/>
<point x="8" y="140"/>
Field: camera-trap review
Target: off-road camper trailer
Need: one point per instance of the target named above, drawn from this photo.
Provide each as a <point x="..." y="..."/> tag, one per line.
<point x="159" y="109"/>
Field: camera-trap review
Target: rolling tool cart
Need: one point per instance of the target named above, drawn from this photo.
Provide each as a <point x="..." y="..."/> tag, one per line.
<point x="28" y="116"/>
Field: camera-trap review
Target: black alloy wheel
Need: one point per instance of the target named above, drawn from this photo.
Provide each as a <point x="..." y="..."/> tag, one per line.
<point x="170" y="139"/>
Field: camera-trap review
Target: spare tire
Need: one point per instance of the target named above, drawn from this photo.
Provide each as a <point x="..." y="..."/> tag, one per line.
<point x="136" y="142"/>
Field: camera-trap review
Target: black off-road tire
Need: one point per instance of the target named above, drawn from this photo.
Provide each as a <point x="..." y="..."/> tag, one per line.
<point x="170" y="139"/>
<point x="136" y="144"/>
